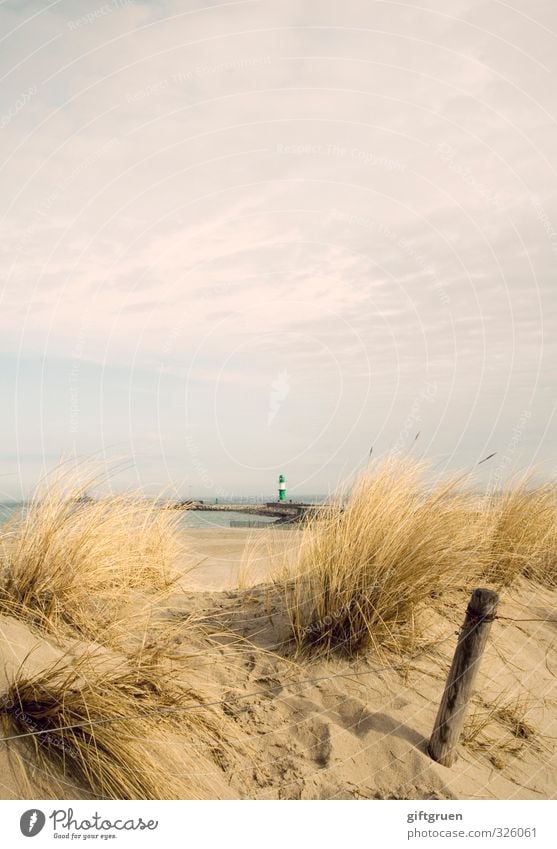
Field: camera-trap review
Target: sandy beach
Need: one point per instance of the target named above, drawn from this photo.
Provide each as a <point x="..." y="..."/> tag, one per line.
<point x="195" y="663"/>
<point x="344" y="730"/>
<point x="359" y="731"/>
<point x="223" y="558"/>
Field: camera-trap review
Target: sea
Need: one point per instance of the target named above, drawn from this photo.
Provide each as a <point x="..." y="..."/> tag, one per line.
<point x="205" y="519"/>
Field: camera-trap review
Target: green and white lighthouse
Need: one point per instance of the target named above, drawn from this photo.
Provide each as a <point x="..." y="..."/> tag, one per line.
<point x="282" y="488"/>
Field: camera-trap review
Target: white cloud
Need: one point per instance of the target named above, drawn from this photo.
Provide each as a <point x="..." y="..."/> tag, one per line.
<point x="224" y="194"/>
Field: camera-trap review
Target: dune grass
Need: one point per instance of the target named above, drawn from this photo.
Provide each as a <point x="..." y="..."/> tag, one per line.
<point x="117" y="729"/>
<point x="70" y="564"/>
<point x="362" y="571"/>
<point x="366" y="568"/>
<point x="523" y="533"/>
<point x="501" y="729"/>
<point x="119" y="724"/>
<point x="122" y="714"/>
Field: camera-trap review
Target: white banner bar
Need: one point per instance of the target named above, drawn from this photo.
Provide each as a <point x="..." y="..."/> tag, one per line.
<point x="282" y="824"/>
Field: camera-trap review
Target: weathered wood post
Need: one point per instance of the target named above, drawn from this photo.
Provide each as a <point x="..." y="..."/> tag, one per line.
<point x="480" y="613"/>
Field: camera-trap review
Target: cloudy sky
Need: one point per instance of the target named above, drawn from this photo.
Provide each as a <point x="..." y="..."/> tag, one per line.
<point x="259" y="236"/>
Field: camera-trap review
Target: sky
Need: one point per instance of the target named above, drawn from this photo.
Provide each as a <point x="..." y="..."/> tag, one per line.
<point x="262" y="236"/>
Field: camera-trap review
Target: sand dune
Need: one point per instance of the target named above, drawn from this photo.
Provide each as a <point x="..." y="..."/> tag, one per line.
<point x="359" y="729"/>
<point x="338" y="729"/>
<point x="195" y="678"/>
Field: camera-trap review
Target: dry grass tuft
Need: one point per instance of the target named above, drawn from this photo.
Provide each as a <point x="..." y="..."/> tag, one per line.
<point x="67" y="563"/>
<point x="500" y="730"/>
<point x="365" y="568"/>
<point x="118" y="730"/>
<point x="523" y="534"/>
<point x="132" y="723"/>
<point x="363" y="571"/>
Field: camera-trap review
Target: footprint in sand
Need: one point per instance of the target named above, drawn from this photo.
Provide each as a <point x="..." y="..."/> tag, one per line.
<point x="315" y="736"/>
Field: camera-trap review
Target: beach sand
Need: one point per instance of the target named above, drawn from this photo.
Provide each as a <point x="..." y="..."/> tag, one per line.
<point x="223" y="558"/>
<point x="339" y="729"/>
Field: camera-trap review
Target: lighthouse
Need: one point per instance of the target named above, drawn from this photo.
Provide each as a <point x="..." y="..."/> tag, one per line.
<point x="282" y="488"/>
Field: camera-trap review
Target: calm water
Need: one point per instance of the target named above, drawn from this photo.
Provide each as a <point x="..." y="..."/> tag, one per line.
<point x="7" y="508"/>
<point x="209" y="519"/>
<point x="189" y="519"/>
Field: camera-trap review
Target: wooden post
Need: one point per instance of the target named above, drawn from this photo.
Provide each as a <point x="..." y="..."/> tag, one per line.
<point x="480" y="613"/>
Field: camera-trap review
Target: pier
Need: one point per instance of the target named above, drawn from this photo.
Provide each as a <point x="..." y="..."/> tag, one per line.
<point x="281" y="510"/>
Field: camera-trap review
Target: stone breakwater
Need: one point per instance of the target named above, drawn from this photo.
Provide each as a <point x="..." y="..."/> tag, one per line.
<point x="282" y="512"/>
